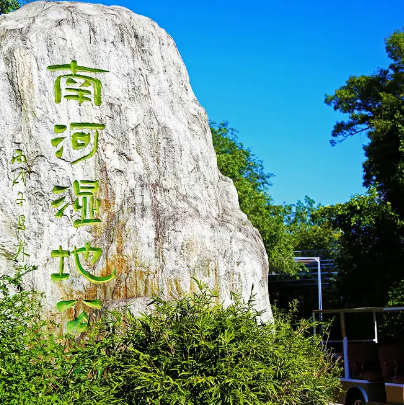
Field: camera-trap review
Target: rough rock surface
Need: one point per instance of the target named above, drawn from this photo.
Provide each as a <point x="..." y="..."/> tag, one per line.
<point x="165" y="213"/>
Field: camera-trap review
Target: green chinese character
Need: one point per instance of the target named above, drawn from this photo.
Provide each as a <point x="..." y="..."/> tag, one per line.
<point x="21" y="223"/>
<point x="20" y="200"/>
<point x="89" y="204"/>
<point x="77" y="85"/>
<point x="86" y="252"/>
<point x="21" y="251"/>
<point x="85" y="202"/>
<point x="20" y="176"/>
<point x="62" y="254"/>
<point x="20" y="158"/>
<point x="95" y="253"/>
<point x="81" y="323"/>
<point x="81" y="138"/>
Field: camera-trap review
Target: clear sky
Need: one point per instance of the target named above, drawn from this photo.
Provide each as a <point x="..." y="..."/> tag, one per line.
<point x="264" y="66"/>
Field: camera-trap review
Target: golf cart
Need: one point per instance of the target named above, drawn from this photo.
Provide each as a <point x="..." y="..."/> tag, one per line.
<point x="373" y="372"/>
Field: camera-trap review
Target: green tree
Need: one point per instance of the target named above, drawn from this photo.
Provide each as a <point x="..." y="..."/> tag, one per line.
<point x="251" y="182"/>
<point x="370" y="249"/>
<point x="375" y="105"/>
<point x="310" y="231"/>
<point x="7" y="6"/>
<point x="186" y="351"/>
<point x="284" y="229"/>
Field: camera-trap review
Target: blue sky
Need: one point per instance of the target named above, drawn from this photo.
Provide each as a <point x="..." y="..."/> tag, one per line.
<point x="264" y="66"/>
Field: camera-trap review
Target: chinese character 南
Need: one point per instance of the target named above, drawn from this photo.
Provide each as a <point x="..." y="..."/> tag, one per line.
<point x="82" y="135"/>
<point x="86" y="202"/>
<point x="80" y="87"/>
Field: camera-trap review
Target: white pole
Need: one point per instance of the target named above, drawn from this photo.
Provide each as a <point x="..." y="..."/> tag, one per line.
<point x="320" y="293"/>
<point x="346" y="360"/>
<point x="375" y="324"/>
<point x="345" y="344"/>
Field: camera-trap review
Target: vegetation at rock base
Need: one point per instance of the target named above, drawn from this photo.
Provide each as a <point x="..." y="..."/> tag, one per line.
<point x="189" y="351"/>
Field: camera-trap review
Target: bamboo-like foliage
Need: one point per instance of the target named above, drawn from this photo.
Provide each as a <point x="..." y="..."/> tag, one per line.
<point x="188" y="351"/>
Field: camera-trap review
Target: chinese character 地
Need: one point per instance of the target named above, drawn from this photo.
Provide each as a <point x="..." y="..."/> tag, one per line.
<point x="86" y="251"/>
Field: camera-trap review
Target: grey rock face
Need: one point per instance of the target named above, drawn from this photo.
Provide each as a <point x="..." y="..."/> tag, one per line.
<point x="108" y="178"/>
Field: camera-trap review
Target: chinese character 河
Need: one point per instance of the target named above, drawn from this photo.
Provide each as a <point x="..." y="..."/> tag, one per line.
<point x="82" y="134"/>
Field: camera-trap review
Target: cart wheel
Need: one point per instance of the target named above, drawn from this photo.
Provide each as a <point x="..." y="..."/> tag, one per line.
<point x="355" y="399"/>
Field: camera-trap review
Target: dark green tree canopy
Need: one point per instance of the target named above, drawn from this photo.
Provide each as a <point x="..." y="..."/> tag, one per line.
<point x="375" y="105"/>
<point x="371" y="249"/>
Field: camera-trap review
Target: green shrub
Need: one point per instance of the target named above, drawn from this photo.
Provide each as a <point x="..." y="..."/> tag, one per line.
<point x="189" y="351"/>
<point x="27" y="350"/>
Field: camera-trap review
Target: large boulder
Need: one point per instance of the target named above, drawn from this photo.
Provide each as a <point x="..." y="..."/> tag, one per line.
<point x="108" y="177"/>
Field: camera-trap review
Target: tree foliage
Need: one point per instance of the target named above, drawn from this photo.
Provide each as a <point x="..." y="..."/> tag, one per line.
<point x="284" y="228"/>
<point x="371" y="250"/>
<point x="309" y="230"/>
<point x="8" y="6"/>
<point x="251" y="182"/>
<point x="375" y="105"/>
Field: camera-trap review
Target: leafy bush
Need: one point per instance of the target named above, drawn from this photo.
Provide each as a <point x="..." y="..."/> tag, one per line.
<point x="27" y="350"/>
<point x="189" y="351"/>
